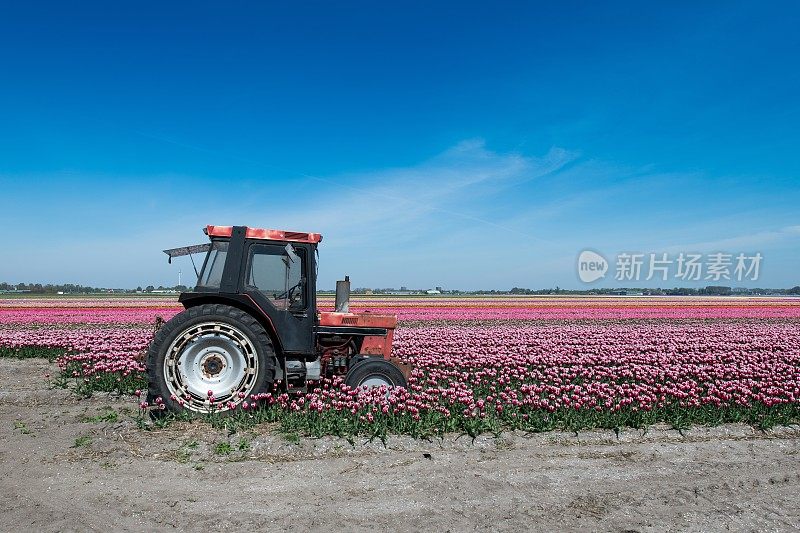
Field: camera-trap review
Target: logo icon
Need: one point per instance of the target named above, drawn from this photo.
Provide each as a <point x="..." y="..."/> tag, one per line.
<point x="591" y="266"/>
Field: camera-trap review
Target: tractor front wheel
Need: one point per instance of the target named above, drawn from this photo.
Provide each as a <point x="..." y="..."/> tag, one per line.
<point x="209" y="358"/>
<point x="374" y="372"/>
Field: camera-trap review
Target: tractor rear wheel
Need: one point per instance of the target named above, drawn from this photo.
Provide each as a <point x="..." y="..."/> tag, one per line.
<point x="374" y="372"/>
<point x="209" y="358"/>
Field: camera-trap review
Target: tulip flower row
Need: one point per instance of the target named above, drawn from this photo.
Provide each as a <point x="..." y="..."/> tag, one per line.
<point x="491" y="364"/>
<point x="145" y="310"/>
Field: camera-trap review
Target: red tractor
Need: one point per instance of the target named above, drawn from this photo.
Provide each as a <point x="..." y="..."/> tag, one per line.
<point x="252" y="323"/>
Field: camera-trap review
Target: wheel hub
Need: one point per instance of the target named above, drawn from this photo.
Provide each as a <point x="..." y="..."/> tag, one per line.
<point x="212" y="365"/>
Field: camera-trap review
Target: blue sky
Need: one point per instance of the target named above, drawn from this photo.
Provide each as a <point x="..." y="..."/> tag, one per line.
<point x="467" y="145"/>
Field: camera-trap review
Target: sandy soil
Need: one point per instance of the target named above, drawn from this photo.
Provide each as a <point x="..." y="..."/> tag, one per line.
<point x="66" y="467"/>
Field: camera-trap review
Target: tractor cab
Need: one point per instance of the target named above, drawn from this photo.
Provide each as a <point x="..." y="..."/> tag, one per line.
<point x="259" y="325"/>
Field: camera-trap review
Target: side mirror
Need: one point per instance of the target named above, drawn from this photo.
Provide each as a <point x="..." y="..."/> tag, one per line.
<point x="291" y="253"/>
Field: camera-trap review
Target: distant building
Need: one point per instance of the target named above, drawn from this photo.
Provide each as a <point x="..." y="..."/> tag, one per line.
<point x="433" y="291"/>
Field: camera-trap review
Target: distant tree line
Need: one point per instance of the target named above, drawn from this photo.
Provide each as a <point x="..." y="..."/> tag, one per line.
<point x="47" y="288"/>
<point x="71" y="288"/>
<point x="711" y="290"/>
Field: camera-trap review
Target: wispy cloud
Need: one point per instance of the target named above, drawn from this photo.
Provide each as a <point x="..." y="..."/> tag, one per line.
<point x="748" y="242"/>
<point x="449" y="189"/>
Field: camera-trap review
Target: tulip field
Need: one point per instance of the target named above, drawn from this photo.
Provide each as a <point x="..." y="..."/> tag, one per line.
<point x="482" y="364"/>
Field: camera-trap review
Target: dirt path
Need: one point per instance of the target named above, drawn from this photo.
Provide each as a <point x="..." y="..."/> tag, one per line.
<point x="75" y="465"/>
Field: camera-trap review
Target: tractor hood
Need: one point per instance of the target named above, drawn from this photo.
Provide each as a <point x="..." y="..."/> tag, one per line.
<point x="363" y="320"/>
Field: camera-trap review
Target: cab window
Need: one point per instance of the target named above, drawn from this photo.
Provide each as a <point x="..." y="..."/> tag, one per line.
<point x="278" y="272"/>
<point x="211" y="275"/>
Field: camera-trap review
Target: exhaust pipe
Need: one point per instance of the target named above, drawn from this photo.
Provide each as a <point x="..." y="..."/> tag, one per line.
<point x="343" y="295"/>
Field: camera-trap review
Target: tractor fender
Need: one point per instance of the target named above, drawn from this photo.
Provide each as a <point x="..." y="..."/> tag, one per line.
<point x="404" y="367"/>
<point x="240" y="302"/>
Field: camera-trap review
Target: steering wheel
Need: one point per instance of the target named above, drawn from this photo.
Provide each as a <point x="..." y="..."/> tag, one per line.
<point x="289" y="294"/>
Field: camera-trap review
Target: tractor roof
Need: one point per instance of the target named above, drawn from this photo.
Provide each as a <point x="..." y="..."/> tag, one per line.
<point x="268" y="234"/>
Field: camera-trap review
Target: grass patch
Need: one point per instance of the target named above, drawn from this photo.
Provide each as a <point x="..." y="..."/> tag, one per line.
<point x="22" y="427"/>
<point x="183" y="456"/>
<point x="82" y="441"/>
<point x="184" y="453"/>
<point x="110" y="416"/>
<point x="51" y="353"/>
<point x="223" y="448"/>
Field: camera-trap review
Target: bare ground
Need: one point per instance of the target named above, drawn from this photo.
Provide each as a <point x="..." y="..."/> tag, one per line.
<point x="67" y="465"/>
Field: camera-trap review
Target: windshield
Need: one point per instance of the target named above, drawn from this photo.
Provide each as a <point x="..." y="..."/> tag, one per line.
<point x="211" y="275"/>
